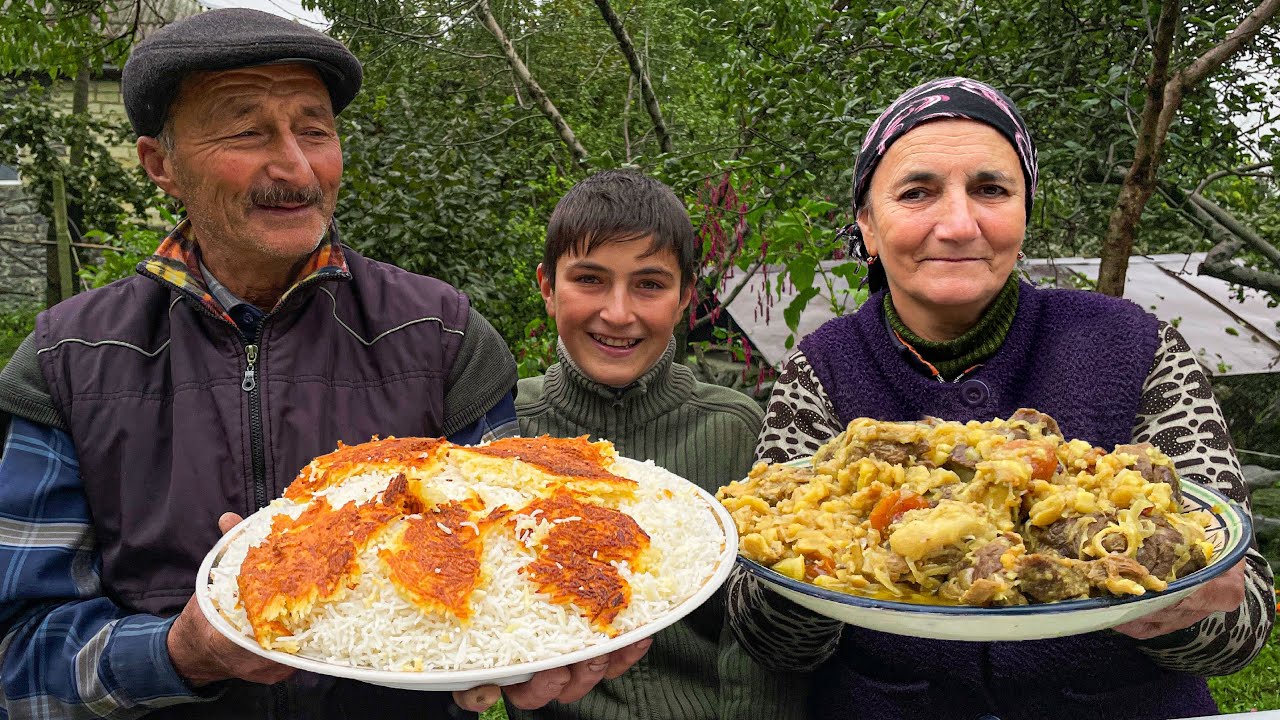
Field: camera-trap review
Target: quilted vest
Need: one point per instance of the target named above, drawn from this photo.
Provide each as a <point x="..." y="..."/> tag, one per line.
<point x="172" y="430"/>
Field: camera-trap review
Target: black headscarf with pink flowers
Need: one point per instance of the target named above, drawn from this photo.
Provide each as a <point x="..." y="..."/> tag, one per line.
<point x="947" y="98"/>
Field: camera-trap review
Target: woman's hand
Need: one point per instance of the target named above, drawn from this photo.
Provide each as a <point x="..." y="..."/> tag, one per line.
<point x="1221" y="594"/>
<point x="564" y="684"/>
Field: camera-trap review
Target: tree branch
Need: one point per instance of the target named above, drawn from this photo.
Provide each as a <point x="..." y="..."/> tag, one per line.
<point x="1245" y="170"/>
<point x="1218" y="264"/>
<point x="547" y="107"/>
<point x="1200" y="68"/>
<point x="1237" y="228"/>
<point x="637" y="69"/>
<point x="733" y="294"/>
<point x="1213" y="58"/>
<point x="1231" y="237"/>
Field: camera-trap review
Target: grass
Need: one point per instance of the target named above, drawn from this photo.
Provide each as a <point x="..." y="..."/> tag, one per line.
<point x="1257" y="687"/>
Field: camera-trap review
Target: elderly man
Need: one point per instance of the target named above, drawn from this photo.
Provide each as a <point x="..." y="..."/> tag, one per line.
<point x="145" y="417"/>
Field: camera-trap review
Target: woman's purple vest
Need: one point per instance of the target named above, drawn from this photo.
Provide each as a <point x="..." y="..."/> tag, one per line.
<point x="1082" y="358"/>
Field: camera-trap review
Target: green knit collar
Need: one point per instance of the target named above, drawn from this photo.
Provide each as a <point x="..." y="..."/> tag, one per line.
<point x="662" y="388"/>
<point x="953" y="358"/>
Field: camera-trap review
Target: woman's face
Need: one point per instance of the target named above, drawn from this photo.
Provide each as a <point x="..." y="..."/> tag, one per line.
<point x="946" y="215"/>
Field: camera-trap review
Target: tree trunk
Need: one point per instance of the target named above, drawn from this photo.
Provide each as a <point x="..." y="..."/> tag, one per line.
<point x="540" y="97"/>
<point x="1140" y="181"/>
<point x="1164" y="97"/>
<point x="638" y="70"/>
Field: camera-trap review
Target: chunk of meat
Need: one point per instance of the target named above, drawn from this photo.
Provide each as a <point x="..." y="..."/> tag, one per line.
<point x="1165" y="553"/>
<point x="986" y="559"/>
<point x="1152" y="472"/>
<point x="1068" y="536"/>
<point x="987" y="592"/>
<point x="960" y="457"/>
<point x="899" y="453"/>
<point x="960" y="463"/>
<point x="1034" y="417"/>
<point x="1047" y="579"/>
<point x="1121" y="575"/>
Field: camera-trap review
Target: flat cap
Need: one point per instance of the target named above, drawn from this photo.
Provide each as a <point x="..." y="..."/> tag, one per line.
<point x="221" y="40"/>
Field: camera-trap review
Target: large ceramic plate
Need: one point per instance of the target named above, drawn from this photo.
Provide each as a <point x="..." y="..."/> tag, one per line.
<point x="1230" y="532"/>
<point x="464" y="679"/>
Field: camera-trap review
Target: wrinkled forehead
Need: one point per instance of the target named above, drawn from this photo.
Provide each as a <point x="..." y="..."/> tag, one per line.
<point x="961" y="142"/>
<point x="238" y="90"/>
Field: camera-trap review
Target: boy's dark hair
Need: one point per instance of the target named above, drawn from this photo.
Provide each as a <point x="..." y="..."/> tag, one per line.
<point x="618" y="206"/>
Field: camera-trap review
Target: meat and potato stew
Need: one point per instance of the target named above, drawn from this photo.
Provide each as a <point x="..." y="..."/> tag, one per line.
<point x="1004" y="512"/>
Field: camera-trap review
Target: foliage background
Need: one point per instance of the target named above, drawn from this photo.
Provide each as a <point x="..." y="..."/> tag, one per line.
<point x="452" y="170"/>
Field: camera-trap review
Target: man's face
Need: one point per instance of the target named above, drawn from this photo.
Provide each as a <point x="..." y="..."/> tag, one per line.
<point x="255" y="159"/>
<point x="616" y="307"/>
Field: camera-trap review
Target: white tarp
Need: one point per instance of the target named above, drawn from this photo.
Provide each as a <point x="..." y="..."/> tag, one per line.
<point x="1232" y="337"/>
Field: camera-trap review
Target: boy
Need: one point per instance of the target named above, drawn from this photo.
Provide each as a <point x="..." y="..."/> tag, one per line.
<point x="617" y="275"/>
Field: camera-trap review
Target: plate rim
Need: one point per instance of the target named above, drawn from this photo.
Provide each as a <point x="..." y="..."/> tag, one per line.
<point x="1218" y="566"/>
<point x="472" y="677"/>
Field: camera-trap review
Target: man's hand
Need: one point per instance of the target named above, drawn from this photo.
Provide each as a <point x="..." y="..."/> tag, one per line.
<point x="202" y="655"/>
<point x="565" y="684"/>
<point x="1221" y="594"/>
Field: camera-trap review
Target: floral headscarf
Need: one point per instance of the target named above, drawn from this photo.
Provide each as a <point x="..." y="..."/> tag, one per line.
<point x="953" y="97"/>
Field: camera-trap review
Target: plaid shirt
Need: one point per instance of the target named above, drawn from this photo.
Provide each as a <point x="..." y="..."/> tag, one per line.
<point x="65" y="650"/>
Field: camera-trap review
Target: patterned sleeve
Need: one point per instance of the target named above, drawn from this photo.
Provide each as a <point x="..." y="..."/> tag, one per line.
<point x="800" y="417"/>
<point x="778" y="633"/>
<point x="1180" y="417"/>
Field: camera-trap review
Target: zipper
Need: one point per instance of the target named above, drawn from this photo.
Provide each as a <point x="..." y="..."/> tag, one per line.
<point x="250" y="385"/>
<point x="250" y="382"/>
<point x="278" y="706"/>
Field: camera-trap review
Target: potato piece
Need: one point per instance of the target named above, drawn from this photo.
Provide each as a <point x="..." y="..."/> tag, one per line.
<point x="792" y="567"/>
<point x="922" y="532"/>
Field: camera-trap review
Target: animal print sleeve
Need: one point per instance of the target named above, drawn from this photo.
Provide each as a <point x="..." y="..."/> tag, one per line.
<point x="778" y="633"/>
<point x="800" y="417"/>
<point x="1179" y="415"/>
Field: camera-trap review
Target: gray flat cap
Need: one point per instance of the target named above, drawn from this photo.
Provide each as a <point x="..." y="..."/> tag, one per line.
<point x="221" y="40"/>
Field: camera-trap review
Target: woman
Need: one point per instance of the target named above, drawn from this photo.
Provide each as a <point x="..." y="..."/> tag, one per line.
<point x="943" y="189"/>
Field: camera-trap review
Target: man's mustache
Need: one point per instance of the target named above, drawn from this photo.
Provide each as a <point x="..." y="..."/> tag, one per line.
<point x="275" y="195"/>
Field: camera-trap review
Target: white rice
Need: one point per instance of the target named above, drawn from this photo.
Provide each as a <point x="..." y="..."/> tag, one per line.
<point x="372" y="626"/>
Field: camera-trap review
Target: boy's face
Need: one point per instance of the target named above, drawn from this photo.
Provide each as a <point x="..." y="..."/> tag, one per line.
<point x="616" y="307"/>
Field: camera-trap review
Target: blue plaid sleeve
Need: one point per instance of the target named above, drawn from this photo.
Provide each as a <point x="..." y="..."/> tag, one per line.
<point x="65" y="650"/>
<point x="498" y="422"/>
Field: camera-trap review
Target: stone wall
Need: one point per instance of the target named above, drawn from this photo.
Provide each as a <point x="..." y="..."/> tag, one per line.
<point x="21" y="265"/>
<point x="22" y="278"/>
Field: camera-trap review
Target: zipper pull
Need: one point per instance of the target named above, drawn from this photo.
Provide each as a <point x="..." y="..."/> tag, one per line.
<point x="250" y="379"/>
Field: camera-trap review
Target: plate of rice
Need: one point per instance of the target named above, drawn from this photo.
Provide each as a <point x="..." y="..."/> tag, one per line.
<point x="994" y="531"/>
<point x="415" y="563"/>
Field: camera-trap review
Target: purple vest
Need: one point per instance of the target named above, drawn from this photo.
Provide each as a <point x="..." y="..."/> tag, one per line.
<point x="153" y="389"/>
<point x="1082" y="358"/>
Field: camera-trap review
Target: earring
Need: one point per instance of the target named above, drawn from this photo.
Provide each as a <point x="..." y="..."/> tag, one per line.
<point x="871" y="260"/>
<point x="1022" y="255"/>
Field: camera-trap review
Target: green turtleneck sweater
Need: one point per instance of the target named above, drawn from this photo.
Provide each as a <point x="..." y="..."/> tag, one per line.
<point x="694" y="670"/>
<point x="953" y="358"/>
